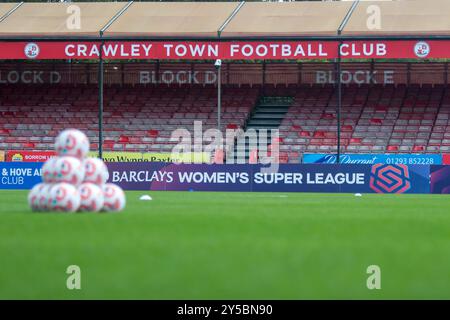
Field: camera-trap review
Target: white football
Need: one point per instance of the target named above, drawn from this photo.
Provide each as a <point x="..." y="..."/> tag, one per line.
<point x="95" y="171"/>
<point x="69" y="170"/>
<point x="33" y="197"/>
<point x="72" y="142"/>
<point x="91" y="197"/>
<point x="44" y="197"/>
<point x="114" y="197"/>
<point x="64" y="197"/>
<point x="48" y="170"/>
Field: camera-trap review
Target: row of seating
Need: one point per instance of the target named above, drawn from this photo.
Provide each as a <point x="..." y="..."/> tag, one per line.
<point x="135" y="119"/>
<point x="374" y="119"/>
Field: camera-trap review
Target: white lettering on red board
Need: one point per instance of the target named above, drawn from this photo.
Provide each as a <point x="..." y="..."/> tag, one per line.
<point x="363" y="49"/>
<point x="233" y="50"/>
<point x="109" y="50"/>
<point x="278" y="50"/>
<point x="192" y="50"/>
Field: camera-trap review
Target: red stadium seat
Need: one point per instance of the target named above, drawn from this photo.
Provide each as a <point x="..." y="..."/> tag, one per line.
<point x="232" y="126"/>
<point x="347" y="128"/>
<point x="376" y="121"/>
<point x="418" y="148"/>
<point x="355" y="141"/>
<point x="392" y="148"/>
<point x="28" y="145"/>
<point x="319" y="134"/>
<point x="108" y="146"/>
<point x="153" y="133"/>
<point x="328" y="116"/>
<point x="304" y="134"/>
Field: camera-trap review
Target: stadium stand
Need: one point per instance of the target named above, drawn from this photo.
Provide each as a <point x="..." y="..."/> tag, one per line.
<point x="136" y="118"/>
<point x="375" y="118"/>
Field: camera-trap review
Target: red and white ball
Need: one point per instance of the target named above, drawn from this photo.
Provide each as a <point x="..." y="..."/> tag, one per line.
<point x="69" y="170"/>
<point x="114" y="198"/>
<point x="44" y="197"/>
<point x="33" y="196"/>
<point x="72" y="142"/>
<point x="48" y="170"/>
<point x="95" y="171"/>
<point x="91" y="197"/>
<point x="64" y="197"/>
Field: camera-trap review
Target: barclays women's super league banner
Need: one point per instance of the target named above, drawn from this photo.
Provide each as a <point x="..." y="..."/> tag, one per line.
<point x="408" y="159"/>
<point x="378" y="178"/>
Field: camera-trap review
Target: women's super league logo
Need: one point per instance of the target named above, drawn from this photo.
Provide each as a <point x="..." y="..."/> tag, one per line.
<point x="387" y="178"/>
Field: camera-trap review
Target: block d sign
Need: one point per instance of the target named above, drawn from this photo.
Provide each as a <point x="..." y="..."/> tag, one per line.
<point x="29" y="76"/>
<point x="178" y="77"/>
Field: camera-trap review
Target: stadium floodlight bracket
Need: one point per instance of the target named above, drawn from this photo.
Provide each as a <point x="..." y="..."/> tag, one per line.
<point x="232" y="15"/>
<point x="115" y="17"/>
<point x="347" y="17"/>
<point x="6" y="15"/>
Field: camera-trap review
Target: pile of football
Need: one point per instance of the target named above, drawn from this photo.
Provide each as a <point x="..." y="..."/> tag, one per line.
<point x="74" y="182"/>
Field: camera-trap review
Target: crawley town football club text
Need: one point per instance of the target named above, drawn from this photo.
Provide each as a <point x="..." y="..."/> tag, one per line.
<point x="226" y="50"/>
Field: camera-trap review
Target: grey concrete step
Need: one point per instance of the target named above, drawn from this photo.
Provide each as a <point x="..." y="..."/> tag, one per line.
<point x="268" y="122"/>
<point x="271" y="110"/>
<point x="268" y="116"/>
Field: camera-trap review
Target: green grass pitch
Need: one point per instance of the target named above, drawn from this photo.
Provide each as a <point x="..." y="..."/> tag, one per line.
<point x="199" y="245"/>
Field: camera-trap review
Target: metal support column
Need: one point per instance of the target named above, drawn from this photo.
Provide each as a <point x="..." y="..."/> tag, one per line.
<point x="339" y="103"/>
<point x="100" y="103"/>
<point x="100" y="77"/>
<point x="219" y="97"/>
<point x="339" y="75"/>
